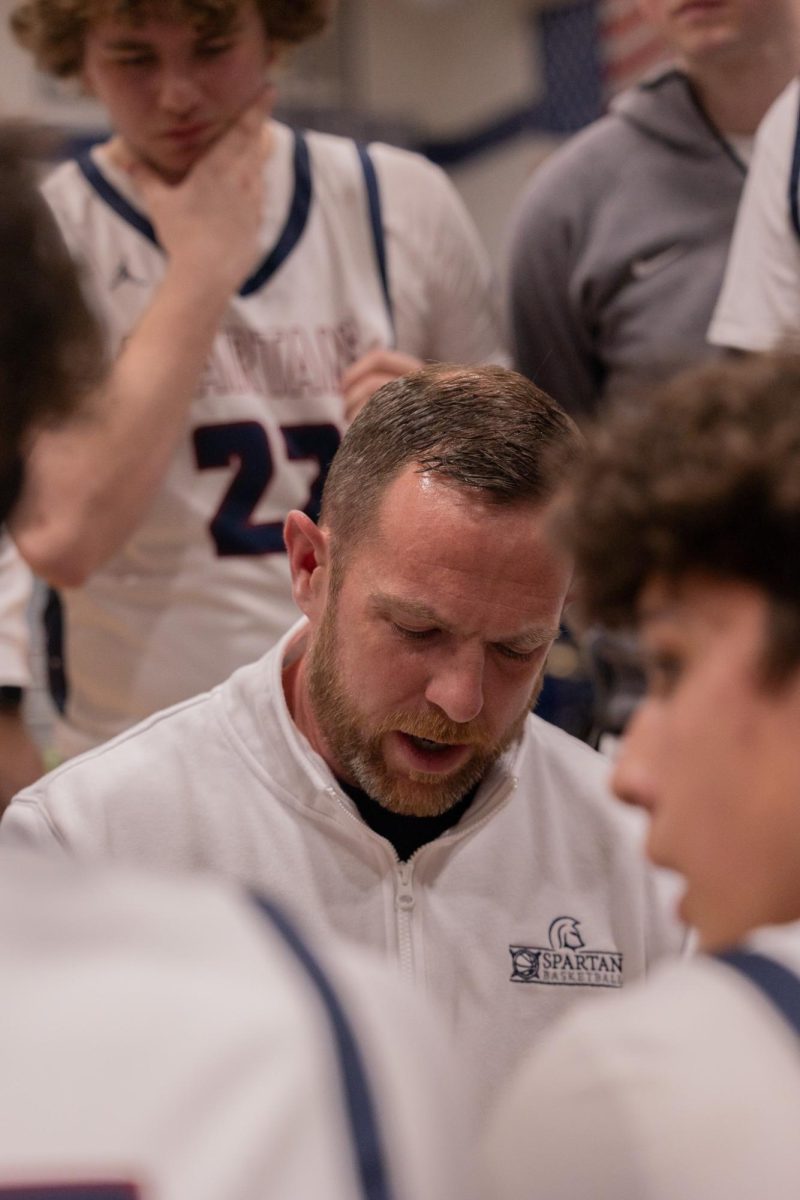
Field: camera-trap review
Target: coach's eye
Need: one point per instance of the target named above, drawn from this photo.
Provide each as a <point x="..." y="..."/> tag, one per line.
<point x="516" y="655"/>
<point x="414" y="635"/>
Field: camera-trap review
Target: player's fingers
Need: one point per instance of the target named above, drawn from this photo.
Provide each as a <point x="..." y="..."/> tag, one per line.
<point x="392" y="363"/>
<point x="357" y="395"/>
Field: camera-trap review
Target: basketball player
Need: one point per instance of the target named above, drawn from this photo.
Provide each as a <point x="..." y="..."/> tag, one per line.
<point x="686" y="522"/>
<point x="179" y="1041"/>
<point x="255" y="285"/>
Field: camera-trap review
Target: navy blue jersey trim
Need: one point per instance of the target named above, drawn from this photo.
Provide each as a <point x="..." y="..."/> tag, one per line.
<point x="288" y="239"/>
<point x="778" y="983"/>
<point x="114" y="199"/>
<point x="376" y="221"/>
<point x="794" y="181"/>
<point x="295" y="222"/>
<point x="372" y="1167"/>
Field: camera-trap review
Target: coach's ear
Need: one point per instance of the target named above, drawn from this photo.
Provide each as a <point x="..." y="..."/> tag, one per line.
<point x="308" y="548"/>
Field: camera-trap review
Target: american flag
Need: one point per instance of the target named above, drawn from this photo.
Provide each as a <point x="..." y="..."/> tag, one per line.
<point x="586" y="51"/>
<point x="628" y="45"/>
<point x="589" y="49"/>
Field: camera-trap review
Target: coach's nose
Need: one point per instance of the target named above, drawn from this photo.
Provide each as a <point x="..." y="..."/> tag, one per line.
<point x="456" y="685"/>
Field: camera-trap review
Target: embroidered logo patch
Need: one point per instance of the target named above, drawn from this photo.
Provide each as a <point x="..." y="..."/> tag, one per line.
<point x="567" y="961"/>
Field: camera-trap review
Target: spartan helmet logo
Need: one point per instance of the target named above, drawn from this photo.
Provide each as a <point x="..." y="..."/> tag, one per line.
<point x="564" y="934"/>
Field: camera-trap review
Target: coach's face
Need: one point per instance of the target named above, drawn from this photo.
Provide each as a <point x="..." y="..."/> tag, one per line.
<point x="714" y="756"/>
<point x="426" y="650"/>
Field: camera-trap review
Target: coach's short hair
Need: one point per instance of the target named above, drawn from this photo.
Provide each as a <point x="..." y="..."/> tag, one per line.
<point x="55" y="30"/>
<point x="49" y="344"/>
<point x="703" y="477"/>
<point x="485" y="429"/>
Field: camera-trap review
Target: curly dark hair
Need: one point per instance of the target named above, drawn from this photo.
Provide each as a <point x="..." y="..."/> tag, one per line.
<point x="50" y="350"/>
<point x="55" y="30"/>
<point x="703" y="476"/>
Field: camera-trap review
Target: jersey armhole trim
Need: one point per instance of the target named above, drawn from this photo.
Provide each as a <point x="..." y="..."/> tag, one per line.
<point x="376" y="221"/>
<point x="366" y="1139"/>
<point x="290" y="234"/>
<point x="114" y="199"/>
<point x="292" y="231"/>
<point x="778" y="983"/>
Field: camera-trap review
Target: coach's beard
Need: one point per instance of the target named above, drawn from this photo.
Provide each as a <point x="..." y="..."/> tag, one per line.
<point x="359" y="751"/>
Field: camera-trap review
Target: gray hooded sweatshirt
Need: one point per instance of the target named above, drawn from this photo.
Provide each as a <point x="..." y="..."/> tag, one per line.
<point x="620" y="245"/>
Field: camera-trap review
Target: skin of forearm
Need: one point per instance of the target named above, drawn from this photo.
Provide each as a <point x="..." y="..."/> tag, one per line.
<point x="88" y="484"/>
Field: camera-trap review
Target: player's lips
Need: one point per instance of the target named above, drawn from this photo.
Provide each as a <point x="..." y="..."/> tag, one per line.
<point x="428" y="755"/>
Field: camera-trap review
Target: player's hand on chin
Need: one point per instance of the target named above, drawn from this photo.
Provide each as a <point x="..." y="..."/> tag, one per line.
<point x="371" y="371"/>
<point x="208" y="222"/>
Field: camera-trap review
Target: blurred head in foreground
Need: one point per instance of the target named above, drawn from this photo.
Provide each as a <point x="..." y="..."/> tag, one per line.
<point x="685" y="522"/>
<point x="49" y="351"/>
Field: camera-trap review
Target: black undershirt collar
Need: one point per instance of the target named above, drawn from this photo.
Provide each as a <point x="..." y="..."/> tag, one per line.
<point x="406" y="834"/>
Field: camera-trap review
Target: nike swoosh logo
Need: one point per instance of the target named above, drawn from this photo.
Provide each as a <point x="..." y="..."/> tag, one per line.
<point x="643" y="268"/>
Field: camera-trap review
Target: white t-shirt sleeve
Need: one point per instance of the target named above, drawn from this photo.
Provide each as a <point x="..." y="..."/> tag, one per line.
<point x="16" y="587"/>
<point x="759" y="304"/>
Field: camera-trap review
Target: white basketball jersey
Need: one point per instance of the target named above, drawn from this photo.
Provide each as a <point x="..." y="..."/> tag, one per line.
<point x="203" y="584"/>
<point x="176" y="1041"/>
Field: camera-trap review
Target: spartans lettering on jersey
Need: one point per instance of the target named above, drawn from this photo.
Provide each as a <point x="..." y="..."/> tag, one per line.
<point x="295" y="362"/>
<point x="567" y="961"/>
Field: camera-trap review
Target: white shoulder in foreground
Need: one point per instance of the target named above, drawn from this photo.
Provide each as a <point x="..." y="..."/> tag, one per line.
<point x="687" y="1086"/>
<point x="183" y="1042"/>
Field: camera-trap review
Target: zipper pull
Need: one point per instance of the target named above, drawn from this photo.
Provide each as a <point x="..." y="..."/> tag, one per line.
<point x="404" y="899"/>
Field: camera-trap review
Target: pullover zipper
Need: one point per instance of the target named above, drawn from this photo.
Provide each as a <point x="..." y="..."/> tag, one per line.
<point x="404" y="899"/>
<point x="404" y="907"/>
